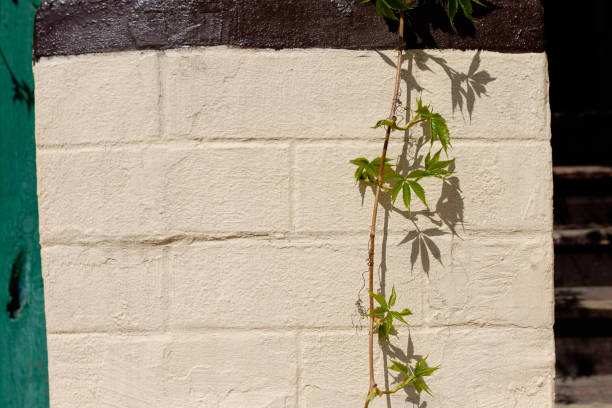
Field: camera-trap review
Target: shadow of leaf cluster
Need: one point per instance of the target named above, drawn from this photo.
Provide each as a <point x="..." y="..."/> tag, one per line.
<point x="448" y="213"/>
<point x="409" y="356"/>
<point x="465" y="87"/>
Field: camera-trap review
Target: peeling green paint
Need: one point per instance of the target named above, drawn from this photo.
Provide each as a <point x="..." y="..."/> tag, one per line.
<point x="23" y="346"/>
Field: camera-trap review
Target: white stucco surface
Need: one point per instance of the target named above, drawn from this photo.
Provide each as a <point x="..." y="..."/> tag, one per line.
<point x="204" y="241"/>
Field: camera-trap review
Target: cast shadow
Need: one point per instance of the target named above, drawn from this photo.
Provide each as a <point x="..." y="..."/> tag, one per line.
<point x="446" y="217"/>
<point x="22" y="92"/>
<point x="406" y="356"/>
<point x="443" y="218"/>
<point x="465" y="87"/>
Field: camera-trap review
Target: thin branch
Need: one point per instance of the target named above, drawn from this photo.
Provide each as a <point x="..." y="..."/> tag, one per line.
<point x="373" y="386"/>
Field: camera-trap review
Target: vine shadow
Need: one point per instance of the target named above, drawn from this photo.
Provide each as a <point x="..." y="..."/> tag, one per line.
<point x="465" y="87"/>
<point x="448" y="213"/>
<point x="22" y="92"/>
<point x="407" y="356"/>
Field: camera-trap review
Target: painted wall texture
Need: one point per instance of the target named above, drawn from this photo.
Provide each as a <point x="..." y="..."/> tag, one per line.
<point x="23" y="347"/>
<point x="204" y="241"/>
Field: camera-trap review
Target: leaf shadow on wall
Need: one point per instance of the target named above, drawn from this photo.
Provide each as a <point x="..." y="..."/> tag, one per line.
<point x="396" y="353"/>
<point x="465" y="87"/>
<point x="22" y="92"/>
<point x="448" y="212"/>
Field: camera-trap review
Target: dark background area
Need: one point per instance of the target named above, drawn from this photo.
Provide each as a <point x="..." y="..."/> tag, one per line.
<point x="579" y="46"/>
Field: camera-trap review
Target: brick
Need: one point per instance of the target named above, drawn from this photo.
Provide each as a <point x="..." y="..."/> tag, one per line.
<point x="101" y="98"/>
<point x="279" y="284"/>
<point x="227" y="188"/>
<point x="272" y="94"/>
<point x="340" y="94"/>
<point x="492" y="280"/>
<point x="501" y="186"/>
<point x="227" y="370"/>
<point x="486" y="95"/>
<point x="99" y="194"/>
<point x="98" y="371"/>
<point x="104" y="289"/>
<point x="480" y="367"/>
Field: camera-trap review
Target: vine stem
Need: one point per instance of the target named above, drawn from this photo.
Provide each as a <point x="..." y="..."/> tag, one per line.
<point x="398" y="74"/>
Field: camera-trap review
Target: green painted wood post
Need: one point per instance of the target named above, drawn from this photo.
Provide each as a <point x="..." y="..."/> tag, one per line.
<point x="23" y="345"/>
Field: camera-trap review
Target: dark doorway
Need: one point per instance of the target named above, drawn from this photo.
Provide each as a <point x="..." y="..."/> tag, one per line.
<point x="579" y="45"/>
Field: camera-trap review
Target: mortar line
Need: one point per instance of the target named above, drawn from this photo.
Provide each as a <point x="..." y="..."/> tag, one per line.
<point x="317" y="237"/>
<point x="282" y="330"/>
<point x="291" y="195"/>
<point x="166" y="280"/>
<point x="238" y="142"/>
<point x="298" y="381"/>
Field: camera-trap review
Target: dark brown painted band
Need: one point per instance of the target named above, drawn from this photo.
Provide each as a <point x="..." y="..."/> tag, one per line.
<point x="66" y="27"/>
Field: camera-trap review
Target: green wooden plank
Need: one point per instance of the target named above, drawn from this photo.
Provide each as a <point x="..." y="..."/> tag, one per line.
<point x="23" y="350"/>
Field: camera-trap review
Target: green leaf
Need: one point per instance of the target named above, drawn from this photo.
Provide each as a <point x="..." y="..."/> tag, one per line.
<point x="406" y="195"/>
<point x="358" y="173"/>
<point x="380" y="299"/>
<point x="419" y="385"/>
<point x="371" y="172"/>
<point x="392" y="298"/>
<point x="418" y="190"/>
<point x="417" y="174"/>
<point x="398" y="316"/>
<point x="421" y="370"/>
<point x="390" y="123"/>
<point x="376" y="162"/>
<point x="405" y="312"/>
<point x="399" y="367"/>
<point x="360" y="161"/>
<point x="383" y="122"/>
<point x="378" y="312"/>
<point x="392" y="177"/>
<point x="452" y="11"/>
<point x="422" y="111"/>
<point x="395" y="191"/>
<point x="389" y="326"/>
<point x="427" y="159"/>
<point x="441" y="165"/>
<point x="436" y="156"/>
<point x="384" y="11"/>
<point x="396" y="4"/>
<point x="466" y="6"/>
<point x="383" y="331"/>
<point x="439" y="130"/>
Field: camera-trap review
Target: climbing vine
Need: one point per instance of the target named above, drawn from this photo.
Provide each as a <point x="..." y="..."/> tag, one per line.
<point x="380" y="174"/>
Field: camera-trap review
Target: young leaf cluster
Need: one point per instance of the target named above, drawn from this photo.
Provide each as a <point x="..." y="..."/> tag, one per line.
<point x="437" y="125"/>
<point x="434" y="167"/>
<point x="411" y="376"/>
<point x="384" y="315"/>
<point x="466" y="7"/>
<point x="391" y="123"/>
<point x="390" y="9"/>
<point x="367" y="171"/>
<point x="414" y="376"/>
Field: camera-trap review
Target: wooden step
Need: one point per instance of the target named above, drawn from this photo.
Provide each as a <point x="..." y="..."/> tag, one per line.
<point x="591" y="302"/>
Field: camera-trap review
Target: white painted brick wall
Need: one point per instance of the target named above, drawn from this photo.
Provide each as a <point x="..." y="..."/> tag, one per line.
<point x="204" y="242"/>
